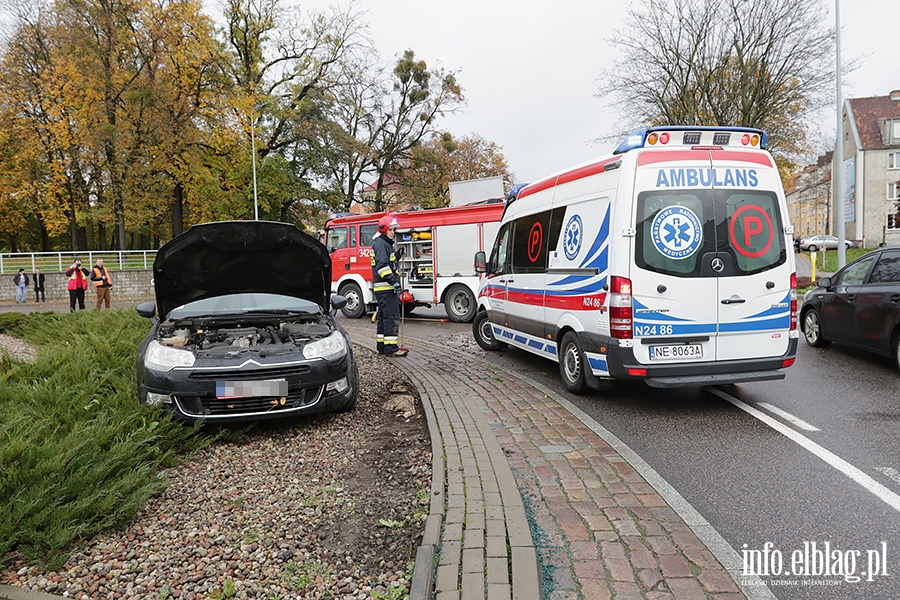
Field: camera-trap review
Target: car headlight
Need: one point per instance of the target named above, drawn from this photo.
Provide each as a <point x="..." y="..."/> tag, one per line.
<point x="328" y="348"/>
<point x="166" y="358"/>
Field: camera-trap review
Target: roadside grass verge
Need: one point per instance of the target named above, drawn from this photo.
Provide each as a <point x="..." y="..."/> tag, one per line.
<point x="827" y="260"/>
<point x="78" y="452"/>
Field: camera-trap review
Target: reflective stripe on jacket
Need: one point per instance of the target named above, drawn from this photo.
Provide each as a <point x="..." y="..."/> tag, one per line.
<point x="96" y="275"/>
<point x="77" y="278"/>
<point x="385" y="271"/>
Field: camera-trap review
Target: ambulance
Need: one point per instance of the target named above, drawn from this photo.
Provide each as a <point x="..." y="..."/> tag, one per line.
<point x="669" y="261"/>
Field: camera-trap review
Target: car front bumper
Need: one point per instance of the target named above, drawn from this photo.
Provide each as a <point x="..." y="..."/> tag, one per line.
<point x="313" y="386"/>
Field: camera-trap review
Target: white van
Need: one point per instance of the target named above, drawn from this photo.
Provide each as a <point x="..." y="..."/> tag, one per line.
<point x="669" y="261"/>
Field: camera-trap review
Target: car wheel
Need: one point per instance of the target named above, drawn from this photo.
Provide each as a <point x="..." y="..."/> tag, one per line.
<point x="459" y="302"/>
<point x="812" y="248"/>
<point x="355" y="307"/>
<point x="350" y="403"/>
<point x="572" y="364"/>
<point x="897" y="349"/>
<point x="812" y="329"/>
<point x="484" y="335"/>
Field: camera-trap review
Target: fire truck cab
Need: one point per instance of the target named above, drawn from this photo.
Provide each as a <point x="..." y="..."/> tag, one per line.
<point x="436" y="247"/>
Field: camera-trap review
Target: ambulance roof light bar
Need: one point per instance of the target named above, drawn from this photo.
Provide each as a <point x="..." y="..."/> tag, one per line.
<point x="682" y="135"/>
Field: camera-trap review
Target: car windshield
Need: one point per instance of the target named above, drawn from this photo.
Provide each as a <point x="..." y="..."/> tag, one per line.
<point x="231" y="304"/>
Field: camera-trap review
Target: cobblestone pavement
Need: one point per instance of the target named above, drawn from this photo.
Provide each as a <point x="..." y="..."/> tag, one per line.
<point x="598" y="529"/>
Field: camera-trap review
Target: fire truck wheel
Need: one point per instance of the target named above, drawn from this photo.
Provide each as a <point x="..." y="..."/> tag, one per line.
<point x="355" y="307"/>
<point x="459" y="302"/>
<point x="484" y="336"/>
<point x="572" y="364"/>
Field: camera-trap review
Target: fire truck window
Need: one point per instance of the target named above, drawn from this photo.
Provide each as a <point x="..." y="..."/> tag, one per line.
<point x="353" y="236"/>
<point x="366" y="233"/>
<point x="337" y="239"/>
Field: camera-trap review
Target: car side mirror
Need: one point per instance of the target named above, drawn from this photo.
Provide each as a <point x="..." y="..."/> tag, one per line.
<point x="146" y="309"/>
<point x="338" y="302"/>
<point x="480" y="262"/>
<point x="825" y="282"/>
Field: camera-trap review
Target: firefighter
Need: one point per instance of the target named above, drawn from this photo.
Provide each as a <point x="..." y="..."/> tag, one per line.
<point x="386" y="285"/>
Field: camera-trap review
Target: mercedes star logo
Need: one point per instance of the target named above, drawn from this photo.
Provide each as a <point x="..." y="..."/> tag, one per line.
<point x="717" y="265"/>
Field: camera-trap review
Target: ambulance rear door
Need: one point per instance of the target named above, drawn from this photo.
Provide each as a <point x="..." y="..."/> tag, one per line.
<point x="674" y="289"/>
<point x="711" y="275"/>
<point x="754" y="300"/>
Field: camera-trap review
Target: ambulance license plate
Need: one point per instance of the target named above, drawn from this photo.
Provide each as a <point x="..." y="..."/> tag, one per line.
<point x="676" y="352"/>
<point x="251" y="389"/>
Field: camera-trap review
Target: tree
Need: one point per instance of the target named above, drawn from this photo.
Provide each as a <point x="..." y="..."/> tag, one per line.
<point x="442" y="159"/>
<point x="765" y="64"/>
<point x="408" y="115"/>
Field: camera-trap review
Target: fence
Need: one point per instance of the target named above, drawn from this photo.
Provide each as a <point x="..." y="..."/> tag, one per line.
<point x="114" y="260"/>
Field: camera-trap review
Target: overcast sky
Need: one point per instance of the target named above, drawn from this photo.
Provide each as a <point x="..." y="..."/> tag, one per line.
<point x="529" y="68"/>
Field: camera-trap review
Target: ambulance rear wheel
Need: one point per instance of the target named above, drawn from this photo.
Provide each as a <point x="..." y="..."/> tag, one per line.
<point x="459" y="303"/>
<point x="355" y="307"/>
<point x="572" y="364"/>
<point x="484" y="335"/>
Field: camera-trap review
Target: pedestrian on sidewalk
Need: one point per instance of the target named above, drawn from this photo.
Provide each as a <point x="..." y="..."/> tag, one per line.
<point x="21" y="281"/>
<point x="39" y="286"/>
<point x="102" y="283"/>
<point x="386" y="285"/>
<point x="78" y="283"/>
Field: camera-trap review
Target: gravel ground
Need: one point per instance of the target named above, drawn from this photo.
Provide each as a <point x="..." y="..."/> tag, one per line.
<point x="323" y="507"/>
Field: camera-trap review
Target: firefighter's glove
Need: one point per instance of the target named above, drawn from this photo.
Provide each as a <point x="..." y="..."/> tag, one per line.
<point x="396" y="287"/>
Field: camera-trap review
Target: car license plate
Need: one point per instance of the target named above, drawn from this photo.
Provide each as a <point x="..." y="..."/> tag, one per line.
<point x="676" y="352"/>
<point x="251" y="389"/>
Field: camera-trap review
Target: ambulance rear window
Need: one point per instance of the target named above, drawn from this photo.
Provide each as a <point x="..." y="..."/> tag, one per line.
<point x="678" y="231"/>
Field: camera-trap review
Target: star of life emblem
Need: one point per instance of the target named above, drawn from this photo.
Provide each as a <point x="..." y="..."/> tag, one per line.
<point x="573" y="234"/>
<point x="675" y="232"/>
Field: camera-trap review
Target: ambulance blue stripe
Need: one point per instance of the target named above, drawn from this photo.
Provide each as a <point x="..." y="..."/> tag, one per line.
<point x="680" y="329"/>
<point x="593" y="288"/>
<point x="637" y="306"/>
<point x="602" y="236"/>
<point x="775" y="310"/>
<point x="598" y="365"/>
<point x="766" y="325"/>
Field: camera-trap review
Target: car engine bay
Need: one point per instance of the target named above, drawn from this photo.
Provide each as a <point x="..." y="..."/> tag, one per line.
<point x="229" y="337"/>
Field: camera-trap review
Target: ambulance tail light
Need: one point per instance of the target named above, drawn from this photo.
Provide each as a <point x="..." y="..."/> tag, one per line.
<point x="621" y="321"/>
<point x="750" y="140"/>
<point x="658" y="138"/>
<point x="794" y="318"/>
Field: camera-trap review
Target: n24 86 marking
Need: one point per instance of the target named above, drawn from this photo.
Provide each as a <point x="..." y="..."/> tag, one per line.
<point x="646" y="330"/>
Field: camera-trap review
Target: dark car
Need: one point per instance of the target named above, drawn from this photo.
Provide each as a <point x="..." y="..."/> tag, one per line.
<point x="244" y="329"/>
<point x="858" y="306"/>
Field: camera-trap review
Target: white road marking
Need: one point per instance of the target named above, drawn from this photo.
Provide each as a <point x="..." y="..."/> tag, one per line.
<point x="788" y="416"/>
<point x="880" y="491"/>
<point x="890" y="472"/>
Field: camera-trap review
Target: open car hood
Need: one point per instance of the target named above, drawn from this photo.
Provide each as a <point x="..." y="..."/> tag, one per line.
<point x="214" y="259"/>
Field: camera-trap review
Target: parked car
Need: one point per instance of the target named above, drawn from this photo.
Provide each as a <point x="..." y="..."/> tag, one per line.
<point x="812" y="243"/>
<point x="858" y="306"/>
<point x="245" y="330"/>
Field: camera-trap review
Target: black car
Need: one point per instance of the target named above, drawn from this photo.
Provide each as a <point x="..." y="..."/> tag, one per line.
<point x="244" y="329"/>
<point x="858" y="306"/>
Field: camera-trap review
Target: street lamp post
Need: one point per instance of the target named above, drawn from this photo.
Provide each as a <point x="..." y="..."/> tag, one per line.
<point x="253" y="157"/>
<point x="253" y="150"/>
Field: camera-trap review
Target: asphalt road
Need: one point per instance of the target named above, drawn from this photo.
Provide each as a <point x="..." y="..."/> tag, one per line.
<point x="764" y="478"/>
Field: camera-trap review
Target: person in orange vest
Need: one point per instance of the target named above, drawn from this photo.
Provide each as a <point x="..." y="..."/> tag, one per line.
<point x="102" y="283"/>
<point x="78" y="282"/>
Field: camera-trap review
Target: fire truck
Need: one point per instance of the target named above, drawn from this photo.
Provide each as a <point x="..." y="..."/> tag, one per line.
<point x="435" y="246"/>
